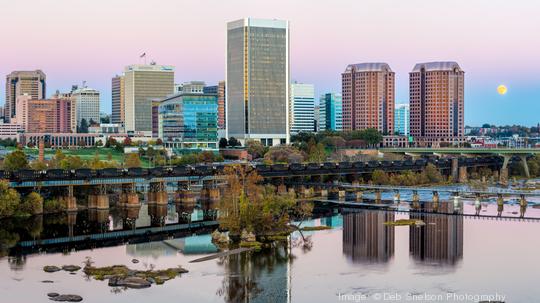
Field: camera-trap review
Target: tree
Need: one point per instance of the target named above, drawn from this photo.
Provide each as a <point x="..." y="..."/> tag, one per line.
<point x="32" y="204"/>
<point x="233" y="142"/>
<point x="283" y="154"/>
<point x="71" y="162"/>
<point x="83" y="127"/>
<point x="38" y="165"/>
<point x="9" y="199"/>
<point x="133" y="160"/>
<point x="316" y="151"/>
<point x="379" y="177"/>
<point x="255" y="149"/>
<point x="372" y="136"/>
<point x="432" y="174"/>
<point x="127" y="141"/>
<point x="159" y="142"/>
<point x="223" y="143"/>
<point x="105" y="119"/>
<point x="99" y="143"/>
<point x="15" y="161"/>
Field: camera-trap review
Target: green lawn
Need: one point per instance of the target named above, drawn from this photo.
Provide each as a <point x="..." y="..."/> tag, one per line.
<point x="85" y="153"/>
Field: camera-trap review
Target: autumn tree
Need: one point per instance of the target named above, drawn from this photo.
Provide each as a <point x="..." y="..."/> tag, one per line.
<point x="133" y="160"/>
<point x="15" y="161"/>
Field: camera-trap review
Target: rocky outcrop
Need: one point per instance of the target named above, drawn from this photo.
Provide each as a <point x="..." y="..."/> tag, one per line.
<point x="66" y="298"/>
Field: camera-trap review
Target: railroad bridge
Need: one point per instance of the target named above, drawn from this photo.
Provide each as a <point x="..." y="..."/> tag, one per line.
<point x="181" y="181"/>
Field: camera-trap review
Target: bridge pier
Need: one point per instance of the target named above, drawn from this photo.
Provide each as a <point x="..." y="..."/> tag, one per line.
<point x="378" y="196"/>
<point x="522" y="206"/>
<point x="158" y="213"/>
<point x="70" y="200"/>
<point x="523" y="159"/>
<point x="157" y="193"/>
<point x="457" y="202"/>
<point x="455" y="169"/>
<point x="352" y="194"/>
<point x="184" y="193"/>
<point x="99" y="199"/>
<point x="129" y="196"/>
<point x="210" y="192"/>
<point x="71" y="221"/>
<point x="503" y="175"/>
<point x="463" y="175"/>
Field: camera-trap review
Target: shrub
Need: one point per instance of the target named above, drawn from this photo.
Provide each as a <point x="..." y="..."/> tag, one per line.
<point x="32" y="204"/>
<point x="53" y="206"/>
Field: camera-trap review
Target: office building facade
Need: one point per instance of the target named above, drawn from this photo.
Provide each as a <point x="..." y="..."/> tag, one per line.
<point x="437" y="102"/>
<point x="401" y="119"/>
<point x="302" y="108"/>
<point x="87" y="105"/>
<point x="117" y="99"/>
<point x="368" y="97"/>
<point x="330" y="112"/>
<point x="144" y="83"/>
<point x="44" y="115"/>
<point x="18" y="83"/>
<point x="189" y="121"/>
<point x="257" y="83"/>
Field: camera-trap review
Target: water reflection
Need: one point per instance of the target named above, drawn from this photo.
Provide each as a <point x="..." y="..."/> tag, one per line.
<point x="366" y="238"/>
<point x="257" y="277"/>
<point x="440" y="240"/>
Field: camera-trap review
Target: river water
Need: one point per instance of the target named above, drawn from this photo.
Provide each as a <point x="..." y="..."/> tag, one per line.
<point x="451" y="259"/>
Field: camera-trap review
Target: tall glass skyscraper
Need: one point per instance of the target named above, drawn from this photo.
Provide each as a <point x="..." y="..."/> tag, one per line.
<point x="302" y="116"/>
<point x="189" y="121"/>
<point x="401" y="119"/>
<point x="331" y="112"/>
<point x="257" y="84"/>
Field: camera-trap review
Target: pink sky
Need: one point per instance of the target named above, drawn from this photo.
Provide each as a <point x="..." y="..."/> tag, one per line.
<point x="74" y="40"/>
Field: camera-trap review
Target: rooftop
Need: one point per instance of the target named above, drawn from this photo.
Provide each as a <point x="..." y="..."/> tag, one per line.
<point x="369" y="67"/>
<point x="436" y="66"/>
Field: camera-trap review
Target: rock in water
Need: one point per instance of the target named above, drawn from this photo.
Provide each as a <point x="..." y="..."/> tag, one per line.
<point x="67" y="298"/>
<point x="53" y="294"/>
<point x="134" y="261"/>
<point x="71" y="268"/>
<point x="130" y="282"/>
<point x="51" y="268"/>
<point x="47" y="281"/>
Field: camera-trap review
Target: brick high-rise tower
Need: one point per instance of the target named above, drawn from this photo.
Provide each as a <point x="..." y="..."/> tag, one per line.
<point x="368" y="97"/>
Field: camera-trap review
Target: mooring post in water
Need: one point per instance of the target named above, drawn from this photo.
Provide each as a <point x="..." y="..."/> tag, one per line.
<point x="71" y="201"/>
<point x="477" y="204"/>
<point x="457" y="202"/>
<point x="397" y="196"/>
<point x="416" y="199"/>
<point x="500" y="204"/>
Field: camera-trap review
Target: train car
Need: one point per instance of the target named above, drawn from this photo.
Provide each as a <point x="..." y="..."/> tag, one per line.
<point x="85" y="173"/>
<point x="27" y="175"/>
<point x="263" y="168"/>
<point x="4" y="174"/>
<point x="61" y="174"/>
<point x="359" y="164"/>
<point x="397" y="163"/>
<point x="345" y="165"/>
<point x="386" y="163"/>
<point x="137" y="172"/>
<point x="420" y="162"/>
<point x="329" y="165"/>
<point x="202" y="170"/>
<point x="219" y="168"/>
<point x="279" y="167"/>
<point x="159" y="172"/>
<point x="297" y="166"/>
<point x="313" y="166"/>
<point x="373" y="163"/>
<point x="181" y="170"/>
<point x="110" y="173"/>
<point x="408" y="162"/>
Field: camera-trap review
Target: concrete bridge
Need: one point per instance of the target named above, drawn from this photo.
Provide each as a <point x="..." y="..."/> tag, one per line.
<point x="505" y="153"/>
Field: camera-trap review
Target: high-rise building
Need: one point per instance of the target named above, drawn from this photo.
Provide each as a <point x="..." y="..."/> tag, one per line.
<point x="317" y="118"/>
<point x="437" y="102"/>
<point x="19" y="83"/>
<point x="144" y="83"/>
<point x="189" y="121"/>
<point x="302" y="108"/>
<point x="368" y="97"/>
<point x="118" y="96"/>
<point x="330" y="112"/>
<point x="257" y="84"/>
<point x="87" y="105"/>
<point x="45" y="115"/>
<point x="73" y="107"/>
<point x="401" y="119"/>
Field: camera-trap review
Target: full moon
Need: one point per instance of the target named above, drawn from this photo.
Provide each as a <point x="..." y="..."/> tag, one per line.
<point x="501" y="89"/>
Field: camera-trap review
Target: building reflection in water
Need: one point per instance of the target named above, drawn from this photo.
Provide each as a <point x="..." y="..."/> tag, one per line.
<point x="257" y="276"/>
<point x="440" y="241"/>
<point x="366" y="238"/>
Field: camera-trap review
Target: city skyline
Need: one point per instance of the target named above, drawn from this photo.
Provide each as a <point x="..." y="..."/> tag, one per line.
<point x="491" y="51"/>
